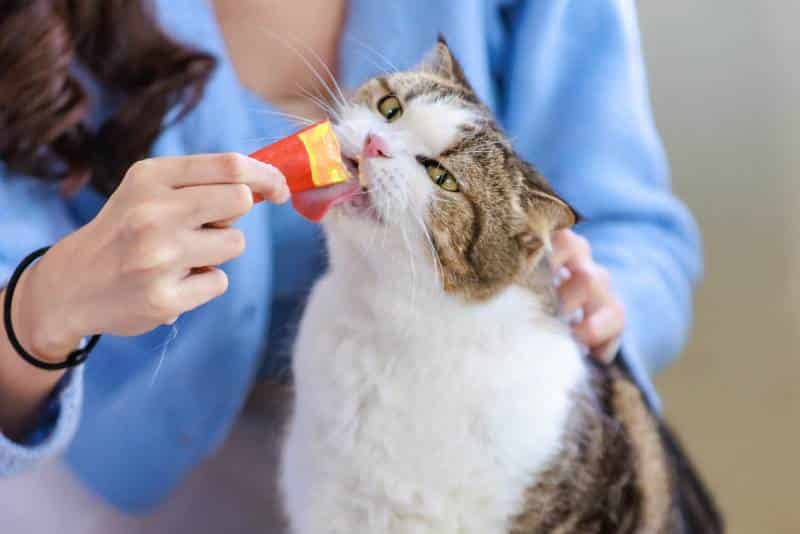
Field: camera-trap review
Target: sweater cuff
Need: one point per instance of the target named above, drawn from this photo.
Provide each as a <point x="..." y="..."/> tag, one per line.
<point x="58" y="423"/>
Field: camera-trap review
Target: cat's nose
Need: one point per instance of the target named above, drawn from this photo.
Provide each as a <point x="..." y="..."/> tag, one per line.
<point x="376" y="146"/>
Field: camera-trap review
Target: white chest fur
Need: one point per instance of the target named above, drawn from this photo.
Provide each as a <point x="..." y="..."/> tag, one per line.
<point x="435" y="426"/>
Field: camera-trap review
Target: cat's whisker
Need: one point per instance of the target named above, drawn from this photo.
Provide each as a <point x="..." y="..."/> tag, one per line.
<point x="338" y="98"/>
<point x="407" y="203"/>
<point x="374" y="63"/>
<point x="391" y="195"/>
<point x="324" y="83"/>
<point x="412" y="264"/>
<point x="291" y="116"/>
<point x="331" y="77"/>
<point x="320" y="103"/>
<point x="317" y="98"/>
<point x="403" y="205"/>
<point x="371" y="242"/>
<point x="374" y="52"/>
<point x="263" y="140"/>
<point x="173" y="334"/>
<point x="429" y="241"/>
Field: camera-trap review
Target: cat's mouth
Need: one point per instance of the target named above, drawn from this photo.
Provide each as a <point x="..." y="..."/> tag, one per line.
<point x="353" y="166"/>
<point x="361" y="201"/>
<point x="314" y="203"/>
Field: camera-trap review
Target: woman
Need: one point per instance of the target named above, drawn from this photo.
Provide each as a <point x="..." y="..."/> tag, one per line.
<point x="84" y="91"/>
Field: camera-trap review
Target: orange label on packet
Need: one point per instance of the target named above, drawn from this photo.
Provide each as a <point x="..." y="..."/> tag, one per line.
<point x="309" y="159"/>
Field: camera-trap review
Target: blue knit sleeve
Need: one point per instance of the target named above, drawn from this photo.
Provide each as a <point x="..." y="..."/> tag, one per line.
<point x="32" y="215"/>
<point x="57" y="425"/>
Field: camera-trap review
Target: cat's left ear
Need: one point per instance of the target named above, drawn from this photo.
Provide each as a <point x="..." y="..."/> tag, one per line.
<point x="441" y="61"/>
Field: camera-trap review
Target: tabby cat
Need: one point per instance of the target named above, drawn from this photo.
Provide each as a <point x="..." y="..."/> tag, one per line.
<point x="437" y="391"/>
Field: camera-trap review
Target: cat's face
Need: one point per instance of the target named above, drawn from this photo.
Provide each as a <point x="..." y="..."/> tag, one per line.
<point x="440" y="181"/>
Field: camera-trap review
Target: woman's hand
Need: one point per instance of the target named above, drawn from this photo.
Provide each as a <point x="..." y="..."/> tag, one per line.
<point x="149" y="255"/>
<point x="588" y="288"/>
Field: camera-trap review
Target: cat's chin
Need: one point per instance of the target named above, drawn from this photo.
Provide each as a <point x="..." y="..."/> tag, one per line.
<point x="360" y="206"/>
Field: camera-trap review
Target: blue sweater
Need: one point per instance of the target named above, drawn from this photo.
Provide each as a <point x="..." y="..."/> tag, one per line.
<point x="566" y="79"/>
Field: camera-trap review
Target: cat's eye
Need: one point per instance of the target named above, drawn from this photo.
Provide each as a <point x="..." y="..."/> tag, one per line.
<point x="441" y="177"/>
<point x="389" y="106"/>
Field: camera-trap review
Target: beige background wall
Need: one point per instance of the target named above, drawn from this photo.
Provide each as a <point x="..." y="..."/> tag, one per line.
<point x="725" y="77"/>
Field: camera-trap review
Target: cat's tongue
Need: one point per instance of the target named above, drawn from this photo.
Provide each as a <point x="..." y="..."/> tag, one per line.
<point x="315" y="203"/>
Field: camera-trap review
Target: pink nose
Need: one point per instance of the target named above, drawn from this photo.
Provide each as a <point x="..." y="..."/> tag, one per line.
<point x="376" y="146"/>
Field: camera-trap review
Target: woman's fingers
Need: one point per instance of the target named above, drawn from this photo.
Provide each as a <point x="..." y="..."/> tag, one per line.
<point x="201" y="286"/>
<point x="587" y="286"/>
<point x="208" y="169"/>
<point x="160" y="254"/>
<point x="211" y="246"/>
<point x="207" y="204"/>
<point x="574" y="295"/>
<point x="569" y="249"/>
<point x="587" y="294"/>
<point x="606" y="352"/>
<point x="601" y="328"/>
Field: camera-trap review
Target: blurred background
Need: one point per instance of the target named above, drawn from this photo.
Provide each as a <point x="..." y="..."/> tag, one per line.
<point x="724" y="79"/>
<point x="725" y="83"/>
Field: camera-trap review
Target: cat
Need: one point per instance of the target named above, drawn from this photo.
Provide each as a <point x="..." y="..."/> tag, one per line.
<point x="436" y="389"/>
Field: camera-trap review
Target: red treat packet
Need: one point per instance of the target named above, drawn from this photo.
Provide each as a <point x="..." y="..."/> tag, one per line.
<point x="311" y="161"/>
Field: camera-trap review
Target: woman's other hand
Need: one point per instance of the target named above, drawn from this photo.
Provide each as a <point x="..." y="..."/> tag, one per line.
<point x="588" y="288"/>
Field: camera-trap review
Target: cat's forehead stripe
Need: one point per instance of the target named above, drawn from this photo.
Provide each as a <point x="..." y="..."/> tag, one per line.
<point x="440" y="92"/>
<point x="384" y="83"/>
<point x="475" y="139"/>
<point x="416" y="91"/>
<point x="438" y="88"/>
<point x="456" y="146"/>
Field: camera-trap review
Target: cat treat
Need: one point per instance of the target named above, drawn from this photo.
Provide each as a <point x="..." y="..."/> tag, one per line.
<point x="311" y="161"/>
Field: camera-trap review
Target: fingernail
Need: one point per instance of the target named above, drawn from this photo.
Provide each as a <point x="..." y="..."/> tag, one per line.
<point x="609" y="353"/>
<point x="574" y="317"/>
<point x="612" y="350"/>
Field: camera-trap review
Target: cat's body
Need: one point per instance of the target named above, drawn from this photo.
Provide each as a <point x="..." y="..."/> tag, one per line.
<point x="436" y="390"/>
<point x="425" y="430"/>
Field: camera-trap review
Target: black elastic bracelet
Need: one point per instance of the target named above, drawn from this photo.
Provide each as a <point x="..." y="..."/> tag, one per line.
<point x="74" y="358"/>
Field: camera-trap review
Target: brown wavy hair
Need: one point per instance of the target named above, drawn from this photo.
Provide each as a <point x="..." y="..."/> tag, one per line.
<point x="44" y="107"/>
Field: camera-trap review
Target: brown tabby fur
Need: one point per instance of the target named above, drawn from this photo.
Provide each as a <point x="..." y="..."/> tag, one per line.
<point x="613" y="475"/>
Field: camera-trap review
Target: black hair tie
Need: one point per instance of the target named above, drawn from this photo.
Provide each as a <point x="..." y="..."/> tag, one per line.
<point x="74" y="358"/>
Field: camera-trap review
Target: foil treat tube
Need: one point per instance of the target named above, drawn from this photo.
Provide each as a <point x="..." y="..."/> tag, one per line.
<point x="308" y="159"/>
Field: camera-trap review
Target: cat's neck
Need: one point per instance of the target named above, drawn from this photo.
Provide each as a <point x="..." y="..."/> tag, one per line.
<point x="408" y="297"/>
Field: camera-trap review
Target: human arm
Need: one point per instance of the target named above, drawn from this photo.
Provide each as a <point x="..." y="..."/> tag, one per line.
<point x="576" y="105"/>
<point x="31" y="216"/>
<point x="148" y="256"/>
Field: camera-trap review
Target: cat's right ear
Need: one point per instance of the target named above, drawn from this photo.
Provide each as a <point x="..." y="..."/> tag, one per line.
<point x="545" y="213"/>
<point x="555" y="213"/>
<point x="441" y="61"/>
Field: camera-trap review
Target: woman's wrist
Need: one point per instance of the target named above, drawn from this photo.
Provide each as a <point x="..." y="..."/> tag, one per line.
<point x="44" y="325"/>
